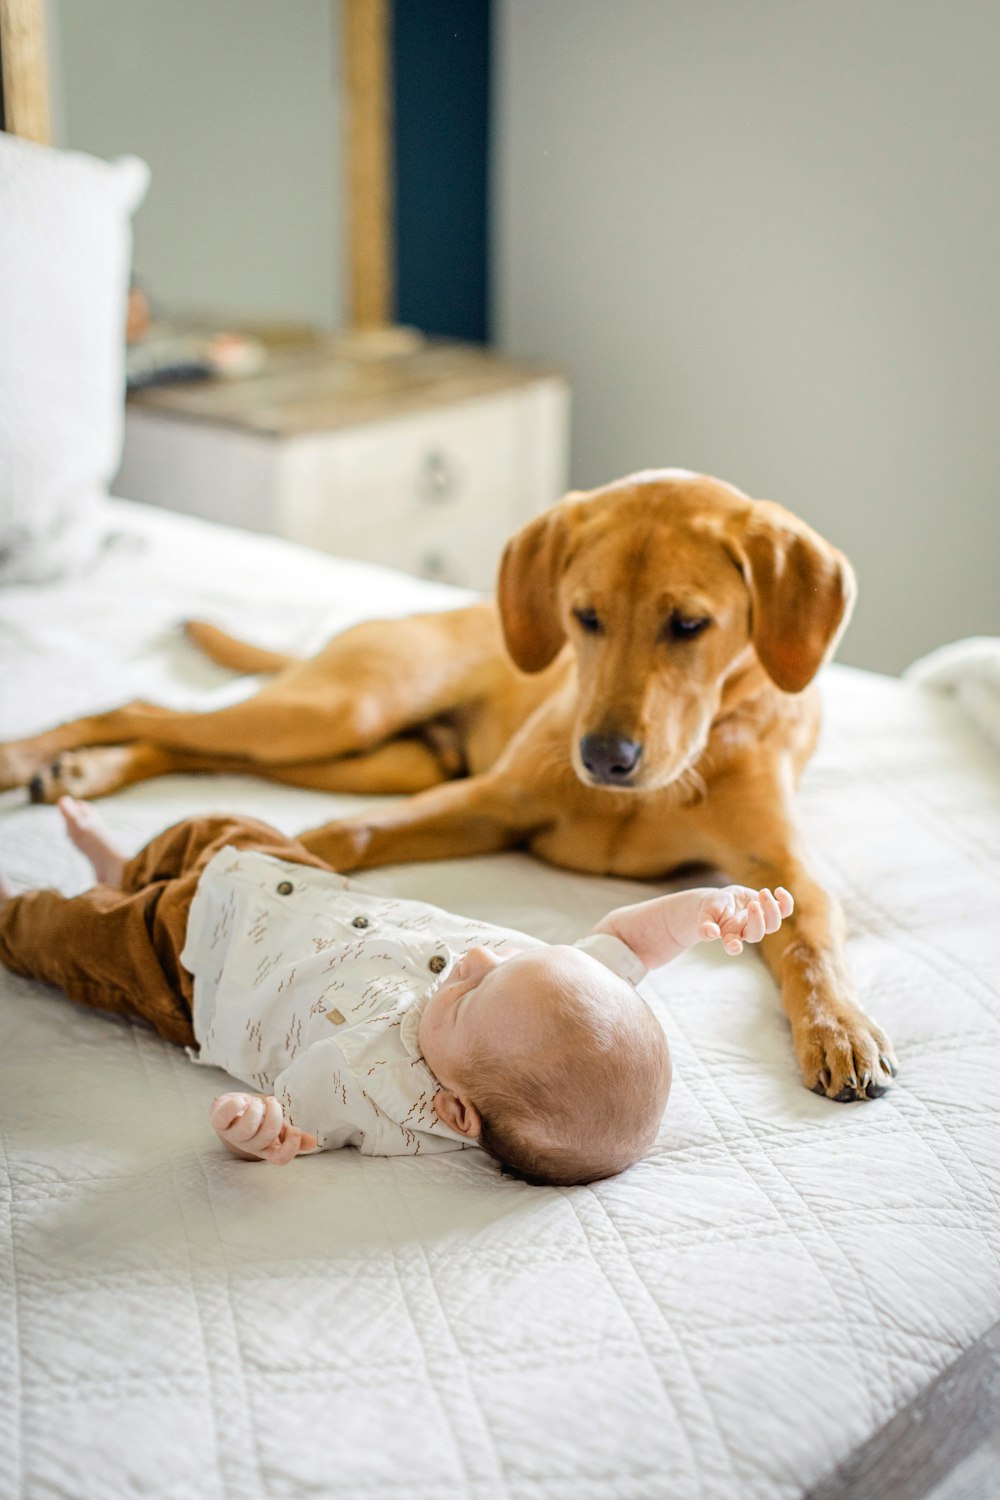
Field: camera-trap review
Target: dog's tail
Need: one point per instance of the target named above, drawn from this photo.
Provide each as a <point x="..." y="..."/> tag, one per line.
<point x="227" y="651"/>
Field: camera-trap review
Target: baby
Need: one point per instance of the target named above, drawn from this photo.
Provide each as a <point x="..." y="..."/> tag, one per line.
<point x="389" y="1025"/>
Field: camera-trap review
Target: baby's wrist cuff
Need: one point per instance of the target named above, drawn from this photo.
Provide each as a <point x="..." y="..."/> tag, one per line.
<point x="614" y="955"/>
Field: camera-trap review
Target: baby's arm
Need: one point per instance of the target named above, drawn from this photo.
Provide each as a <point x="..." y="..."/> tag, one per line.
<point x="658" y="930"/>
<point x="254" y="1126"/>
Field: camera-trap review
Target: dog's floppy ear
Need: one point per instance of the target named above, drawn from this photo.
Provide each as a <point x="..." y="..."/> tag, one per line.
<point x="801" y="593"/>
<point x="527" y="590"/>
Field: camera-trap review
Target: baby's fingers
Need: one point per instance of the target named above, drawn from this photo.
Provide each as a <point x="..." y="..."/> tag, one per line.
<point x="732" y="932"/>
<point x="774" y="908"/>
<point x="762" y="915"/>
<point x="226" y="1109"/>
<point x="271" y="1126"/>
<point x="288" y="1145"/>
<point x="770" y="907"/>
<point x="755" y="925"/>
<point x="247" y="1122"/>
<point x="282" y="1149"/>
<point x="259" y="1125"/>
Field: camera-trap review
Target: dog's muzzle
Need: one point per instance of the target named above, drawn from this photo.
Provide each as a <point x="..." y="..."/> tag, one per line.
<point x="610" y="759"/>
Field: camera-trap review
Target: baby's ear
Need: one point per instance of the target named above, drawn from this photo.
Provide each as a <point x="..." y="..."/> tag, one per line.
<point x="457" y="1113"/>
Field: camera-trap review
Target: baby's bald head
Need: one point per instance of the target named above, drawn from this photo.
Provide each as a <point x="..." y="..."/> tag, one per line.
<point x="564" y="1068"/>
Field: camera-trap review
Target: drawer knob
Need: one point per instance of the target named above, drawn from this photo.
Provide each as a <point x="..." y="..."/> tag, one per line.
<point x="437" y="480"/>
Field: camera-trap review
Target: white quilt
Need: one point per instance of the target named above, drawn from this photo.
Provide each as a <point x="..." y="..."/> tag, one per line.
<point x="728" y="1319"/>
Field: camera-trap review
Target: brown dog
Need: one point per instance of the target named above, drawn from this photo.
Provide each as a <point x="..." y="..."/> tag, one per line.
<point x="655" y="710"/>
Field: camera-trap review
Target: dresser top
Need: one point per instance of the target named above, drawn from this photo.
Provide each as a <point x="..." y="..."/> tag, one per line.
<point x="337" y="382"/>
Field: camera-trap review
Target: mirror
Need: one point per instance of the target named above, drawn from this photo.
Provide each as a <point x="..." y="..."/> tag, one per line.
<point x="219" y="99"/>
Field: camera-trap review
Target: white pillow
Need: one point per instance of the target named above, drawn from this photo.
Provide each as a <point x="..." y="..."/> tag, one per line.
<point x="65" y="258"/>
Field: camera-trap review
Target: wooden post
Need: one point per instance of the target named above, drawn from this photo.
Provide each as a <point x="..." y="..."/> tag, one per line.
<point x="368" y="130"/>
<point x="25" y="70"/>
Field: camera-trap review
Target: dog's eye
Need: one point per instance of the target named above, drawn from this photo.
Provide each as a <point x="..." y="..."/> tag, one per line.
<point x="588" y="621"/>
<point x="686" y="627"/>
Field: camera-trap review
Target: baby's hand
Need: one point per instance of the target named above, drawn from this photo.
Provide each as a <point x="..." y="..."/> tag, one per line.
<point x="738" y="915"/>
<point x="254" y="1125"/>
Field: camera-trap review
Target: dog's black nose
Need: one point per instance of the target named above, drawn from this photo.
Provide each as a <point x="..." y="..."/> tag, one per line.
<point x="610" y="758"/>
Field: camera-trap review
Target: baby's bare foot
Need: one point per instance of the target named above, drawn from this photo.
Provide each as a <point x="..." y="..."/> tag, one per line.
<point x="88" y="833"/>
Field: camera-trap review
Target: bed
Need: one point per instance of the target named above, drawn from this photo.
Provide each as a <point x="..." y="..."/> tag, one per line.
<point x="730" y="1319"/>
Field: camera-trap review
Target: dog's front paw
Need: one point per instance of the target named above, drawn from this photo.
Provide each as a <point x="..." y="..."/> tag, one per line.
<point x="845" y="1057"/>
<point x="341" y="844"/>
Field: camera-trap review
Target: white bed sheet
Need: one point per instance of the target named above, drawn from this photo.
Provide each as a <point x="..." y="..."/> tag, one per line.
<point x="728" y="1319"/>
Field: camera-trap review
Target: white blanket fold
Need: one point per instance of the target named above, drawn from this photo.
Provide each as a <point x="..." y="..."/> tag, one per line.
<point x="968" y="670"/>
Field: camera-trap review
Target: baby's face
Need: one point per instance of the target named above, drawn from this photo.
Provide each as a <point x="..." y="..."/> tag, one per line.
<point x="500" y="1005"/>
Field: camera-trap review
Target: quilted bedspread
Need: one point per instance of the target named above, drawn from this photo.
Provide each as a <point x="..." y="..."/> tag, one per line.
<point x="728" y="1319"/>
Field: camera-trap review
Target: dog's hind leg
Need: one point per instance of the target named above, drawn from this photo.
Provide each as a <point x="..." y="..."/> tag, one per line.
<point x="265" y="730"/>
<point x="402" y="766"/>
<point x="370" y="685"/>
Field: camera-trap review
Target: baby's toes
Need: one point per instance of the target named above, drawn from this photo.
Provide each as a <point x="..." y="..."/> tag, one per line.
<point x="79" y="816"/>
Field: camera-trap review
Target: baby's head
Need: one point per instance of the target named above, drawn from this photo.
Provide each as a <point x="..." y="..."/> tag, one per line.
<point x="553" y="1063"/>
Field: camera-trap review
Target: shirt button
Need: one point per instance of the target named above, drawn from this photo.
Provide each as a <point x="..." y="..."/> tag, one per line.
<point x="285" y="888"/>
<point x="361" y="922"/>
<point x="436" y="964"/>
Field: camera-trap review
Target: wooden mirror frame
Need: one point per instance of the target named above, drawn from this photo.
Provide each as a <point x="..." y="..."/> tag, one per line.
<point x="25" y="61"/>
<point x="366" y="42"/>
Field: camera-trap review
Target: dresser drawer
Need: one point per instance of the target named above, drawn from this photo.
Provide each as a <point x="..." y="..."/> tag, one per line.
<point x="341" y="490"/>
<point x="463" y="548"/>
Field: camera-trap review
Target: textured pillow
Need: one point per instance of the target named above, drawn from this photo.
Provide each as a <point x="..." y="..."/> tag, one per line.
<point x="65" y="256"/>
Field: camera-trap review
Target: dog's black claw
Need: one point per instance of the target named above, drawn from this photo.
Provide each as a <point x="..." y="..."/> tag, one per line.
<point x="36" y="789"/>
<point x="820" y="1089"/>
<point x="888" y="1067"/>
<point x="876" y="1090"/>
<point x="846" y="1095"/>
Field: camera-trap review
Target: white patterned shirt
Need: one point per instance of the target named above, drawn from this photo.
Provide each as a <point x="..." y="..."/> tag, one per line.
<point x="311" y="989"/>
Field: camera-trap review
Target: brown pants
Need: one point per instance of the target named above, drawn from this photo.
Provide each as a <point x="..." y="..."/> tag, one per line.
<point x="119" y="949"/>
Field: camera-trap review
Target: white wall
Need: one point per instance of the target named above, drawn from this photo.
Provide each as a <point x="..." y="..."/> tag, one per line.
<point x="764" y="238"/>
<point x="235" y="105"/>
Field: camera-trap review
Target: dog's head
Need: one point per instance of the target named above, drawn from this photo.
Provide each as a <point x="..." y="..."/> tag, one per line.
<point x="668" y="585"/>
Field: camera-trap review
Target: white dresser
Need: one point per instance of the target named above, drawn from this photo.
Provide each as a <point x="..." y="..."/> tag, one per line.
<point x="426" y="461"/>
